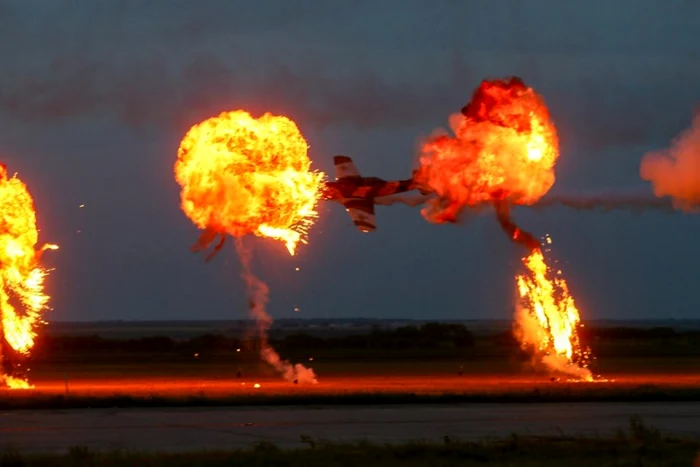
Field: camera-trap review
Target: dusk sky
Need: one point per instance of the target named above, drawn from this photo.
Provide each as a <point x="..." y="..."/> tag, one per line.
<point x="96" y="96"/>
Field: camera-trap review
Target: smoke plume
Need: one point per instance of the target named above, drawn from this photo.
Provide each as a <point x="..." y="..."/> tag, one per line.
<point x="675" y="171"/>
<point x="606" y="202"/>
<point x="514" y="232"/>
<point x="257" y="299"/>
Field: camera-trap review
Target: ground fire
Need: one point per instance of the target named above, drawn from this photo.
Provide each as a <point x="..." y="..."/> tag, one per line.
<point x="547" y="320"/>
<point x="241" y="175"/>
<point x="503" y="152"/>
<point x="22" y="299"/>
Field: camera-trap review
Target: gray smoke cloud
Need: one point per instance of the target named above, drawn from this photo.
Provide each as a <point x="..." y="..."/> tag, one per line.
<point x="149" y="92"/>
<point x="77" y="60"/>
<point x="603" y="201"/>
<point x="606" y="201"/>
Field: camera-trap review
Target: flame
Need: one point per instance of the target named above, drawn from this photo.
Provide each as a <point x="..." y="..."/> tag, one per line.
<point x="504" y="148"/>
<point x="22" y="300"/>
<point x="503" y="152"/>
<point x="243" y="175"/>
<point x="16" y="383"/>
<point x="547" y="319"/>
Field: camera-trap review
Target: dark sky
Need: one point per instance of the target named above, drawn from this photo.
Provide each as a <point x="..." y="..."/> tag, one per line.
<point x="95" y="97"/>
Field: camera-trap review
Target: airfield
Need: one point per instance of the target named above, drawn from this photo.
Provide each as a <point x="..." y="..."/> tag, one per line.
<point x="224" y="397"/>
<point x="97" y="361"/>
<point x="143" y="413"/>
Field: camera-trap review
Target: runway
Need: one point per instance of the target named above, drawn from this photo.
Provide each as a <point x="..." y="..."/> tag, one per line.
<point x="168" y="429"/>
<point x="221" y="428"/>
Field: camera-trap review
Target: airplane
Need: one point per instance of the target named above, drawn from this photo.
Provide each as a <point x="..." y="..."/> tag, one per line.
<point x="358" y="193"/>
<point x="350" y="189"/>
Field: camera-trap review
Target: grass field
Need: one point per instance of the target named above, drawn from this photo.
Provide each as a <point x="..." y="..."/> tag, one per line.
<point x="640" y="445"/>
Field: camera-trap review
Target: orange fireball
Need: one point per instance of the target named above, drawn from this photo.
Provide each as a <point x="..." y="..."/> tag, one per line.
<point x="503" y="151"/>
<point x="22" y="300"/>
<point x="241" y="175"/>
<point x="504" y="148"/>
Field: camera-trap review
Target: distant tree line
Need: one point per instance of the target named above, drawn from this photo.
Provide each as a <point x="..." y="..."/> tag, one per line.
<point x="426" y="336"/>
<point x="641" y="334"/>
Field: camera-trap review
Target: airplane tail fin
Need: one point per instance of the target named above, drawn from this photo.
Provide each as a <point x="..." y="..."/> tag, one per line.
<point x="345" y="168"/>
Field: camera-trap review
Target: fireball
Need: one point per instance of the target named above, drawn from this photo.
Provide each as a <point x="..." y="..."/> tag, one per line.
<point x="503" y="152"/>
<point x="241" y="175"/>
<point x="22" y="300"/>
<point x="504" y="148"/>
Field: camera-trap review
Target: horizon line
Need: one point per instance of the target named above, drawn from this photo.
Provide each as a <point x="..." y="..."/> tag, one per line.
<point x="213" y="320"/>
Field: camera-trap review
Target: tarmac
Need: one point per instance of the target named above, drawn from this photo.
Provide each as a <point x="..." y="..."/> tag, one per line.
<point x="186" y="429"/>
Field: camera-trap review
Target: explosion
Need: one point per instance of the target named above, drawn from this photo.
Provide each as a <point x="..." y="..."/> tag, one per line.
<point x="22" y="300"/>
<point x="503" y="150"/>
<point x="675" y="171"/>
<point x="242" y="175"/>
<point x="547" y="320"/>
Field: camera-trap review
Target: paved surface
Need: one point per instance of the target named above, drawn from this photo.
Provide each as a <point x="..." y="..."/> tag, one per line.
<point x="188" y="429"/>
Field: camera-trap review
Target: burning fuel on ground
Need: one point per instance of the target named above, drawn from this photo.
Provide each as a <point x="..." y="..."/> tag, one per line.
<point x="243" y="175"/>
<point x="502" y="152"/>
<point x="22" y="297"/>
<point x="547" y="320"/>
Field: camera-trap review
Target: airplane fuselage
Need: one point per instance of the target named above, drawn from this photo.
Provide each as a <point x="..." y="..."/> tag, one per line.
<point x="364" y="188"/>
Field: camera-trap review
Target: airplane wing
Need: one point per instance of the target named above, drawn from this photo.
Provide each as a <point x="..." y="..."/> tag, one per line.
<point x="395" y="187"/>
<point x="362" y="213"/>
<point x="345" y="168"/>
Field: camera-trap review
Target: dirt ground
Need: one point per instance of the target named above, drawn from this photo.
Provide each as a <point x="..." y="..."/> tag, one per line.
<point x="271" y="384"/>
